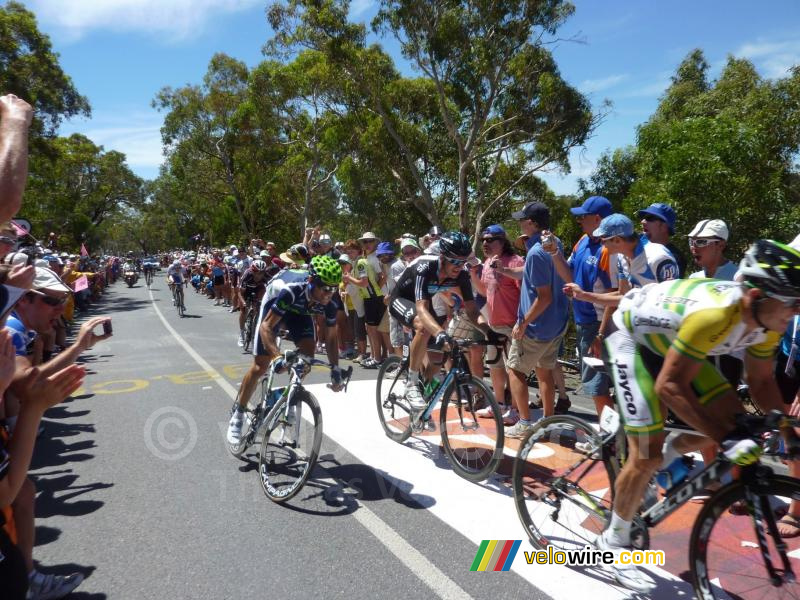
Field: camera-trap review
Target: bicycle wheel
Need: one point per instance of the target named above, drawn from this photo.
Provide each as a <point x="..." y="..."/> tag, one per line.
<point x="473" y="444"/>
<point x="562" y="489"/>
<point x="249" y="326"/>
<point x="393" y="409"/>
<point x="724" y="556"/>
<point x="290" y="446"/>
<point x="179" y="301"/>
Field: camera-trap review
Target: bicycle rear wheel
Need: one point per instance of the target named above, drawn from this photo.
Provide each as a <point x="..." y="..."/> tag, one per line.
<point x="562" y="490"/>
<point x="473" y="444"/>
<point x="249" y="327"/>
<point x="393" y="409"/>
<point x="179" y="301"/>
<point x="724" y="556"/>
<point x="290" y="446"/>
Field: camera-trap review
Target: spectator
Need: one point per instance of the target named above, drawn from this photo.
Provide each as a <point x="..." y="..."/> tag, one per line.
<point x="392" y="269"/>
<point x="658" y="224"/>
<point x="707" y="243"/>
<point x="351" y="295"/>
<point x="409" y="251"/>
<point x="370" y="280"/>
<point x="541" y="321"/>
<point x="591" y="267"/>
<point x="500" y="283"/>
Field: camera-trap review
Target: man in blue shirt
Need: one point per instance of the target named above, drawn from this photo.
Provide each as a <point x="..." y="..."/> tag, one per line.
<point x="541" y="320"/>
<point x="592" y="266"/>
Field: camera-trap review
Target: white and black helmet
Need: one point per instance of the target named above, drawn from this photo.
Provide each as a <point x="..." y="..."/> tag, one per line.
<point x="259" y="265"/>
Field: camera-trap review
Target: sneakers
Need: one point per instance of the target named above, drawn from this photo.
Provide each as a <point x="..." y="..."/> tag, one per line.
<point x="488" y="412"/>
<point x="371" y="363"/>
<point x="519" y="430"/>
<point x="629" y="576"/>
<point x="47" y="587"/>
<point x="235" y="427"/>
<point x="240" y="343"/>
<point x="510" y="417"/>
<point x="414" y="396"/>
<point x="562" y="405"/>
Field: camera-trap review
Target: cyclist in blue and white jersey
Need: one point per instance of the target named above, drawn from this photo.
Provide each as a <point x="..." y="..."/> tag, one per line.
<point x="291" y="300"/>
<point x="176" y="274"/>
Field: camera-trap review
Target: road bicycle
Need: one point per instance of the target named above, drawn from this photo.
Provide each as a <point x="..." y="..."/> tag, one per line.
<point x="564" y="478"/>
<point x="474" y="445"/>
<point x="148" y="277"/>
<point x="177" y="298"/>
<point x="291" y="421"/>
<point x="250" y="323"/>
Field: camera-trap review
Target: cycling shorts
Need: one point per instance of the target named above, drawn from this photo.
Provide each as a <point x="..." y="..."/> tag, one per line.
<point x="219" y="280"/>
<point x="405" y="310"/>
<point x="634" y="369"/>
<point x="299" y="327"/>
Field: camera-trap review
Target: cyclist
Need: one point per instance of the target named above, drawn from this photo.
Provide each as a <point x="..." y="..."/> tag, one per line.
<point x="176" y="274"/>
<point x="292" y="297"/>
<point x="411" y="302"/>
<point x="251" y="289"/>
<point x="656" y="351"/>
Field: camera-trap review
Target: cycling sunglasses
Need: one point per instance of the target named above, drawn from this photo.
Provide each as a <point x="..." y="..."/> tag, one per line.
<point x="788" y="301"/>
<point x="702" y="242"/>
<point x="458" y="262"/>
<point x="329" y="289"/>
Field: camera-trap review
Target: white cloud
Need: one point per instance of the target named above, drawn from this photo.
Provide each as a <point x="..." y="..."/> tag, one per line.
<point x="773" y="59"/>
<point x="136" y="134"/>
<point x="359" y="7"/>
<point x="596" y="85"/>
<point x="178" y="19"/>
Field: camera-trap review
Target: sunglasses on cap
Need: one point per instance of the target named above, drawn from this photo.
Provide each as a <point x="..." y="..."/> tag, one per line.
<point x="50" y="300"/>
<point x="787" y="301"/>
<point x="458" y="262"/>
<point x="702" y="242"/>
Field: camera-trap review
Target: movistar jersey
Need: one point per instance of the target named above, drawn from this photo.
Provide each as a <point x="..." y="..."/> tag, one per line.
<point x="697" y="317"/>
<point x="288" y="292"/>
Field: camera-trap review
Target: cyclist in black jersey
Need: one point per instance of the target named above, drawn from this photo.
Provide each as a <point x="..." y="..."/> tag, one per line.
<point x="410" y="302"/>
<point x="250" y="289"/>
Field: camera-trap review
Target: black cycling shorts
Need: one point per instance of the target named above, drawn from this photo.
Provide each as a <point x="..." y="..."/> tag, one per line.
<point x="405" y="310"/>
<point x="299" y="327"/>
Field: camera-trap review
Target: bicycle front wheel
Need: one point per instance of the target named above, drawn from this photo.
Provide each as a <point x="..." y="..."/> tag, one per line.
<point x="724" y="554"/>
<point x="393" y="410"/>
<point x="472" y="429"/>
<point x="249" y="327"/>
<point x="562" y="489"/>
<point x="290" y="446"/>
<point x="179" y="301"/>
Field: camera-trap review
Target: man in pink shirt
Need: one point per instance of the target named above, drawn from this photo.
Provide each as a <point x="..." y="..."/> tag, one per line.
<point x="500" y="283"/>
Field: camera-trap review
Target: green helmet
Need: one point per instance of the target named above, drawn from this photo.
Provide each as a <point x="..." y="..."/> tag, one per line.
<point x="326" y="269"/>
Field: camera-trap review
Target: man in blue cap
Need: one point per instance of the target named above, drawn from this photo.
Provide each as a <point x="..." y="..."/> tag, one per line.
<point x="658" y="224"/>
<point x="591" y="267"/>
<point x="639" y="262"/>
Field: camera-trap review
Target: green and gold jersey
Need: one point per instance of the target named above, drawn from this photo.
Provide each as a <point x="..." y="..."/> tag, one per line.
<point x="697" y="317"/>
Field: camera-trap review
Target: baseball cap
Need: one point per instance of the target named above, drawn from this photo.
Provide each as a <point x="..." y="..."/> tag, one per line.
<point x="593" y="205"/>
<point x="409" y="243"/>
<point x="9" y="296"/>
<point x="384" y="248"/>
<point x="710" y="228"/>
<point x="435" y="230"/>
<point x="535" y="211"/>
<point x="368" y="235"/>
<point x="493" y="230"/>
<point x="614" y="225"/>
<point x="45" y="279"/>
<point x="325" y="239"/>
<point x="662" y="211"/>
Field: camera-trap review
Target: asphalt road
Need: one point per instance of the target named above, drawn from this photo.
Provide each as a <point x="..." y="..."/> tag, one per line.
<point x="138" y="492"/>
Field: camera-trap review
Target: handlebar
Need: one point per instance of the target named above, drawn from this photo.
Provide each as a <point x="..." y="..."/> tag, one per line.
<point x="773" y="421"/>
<point x="301" y="365"/>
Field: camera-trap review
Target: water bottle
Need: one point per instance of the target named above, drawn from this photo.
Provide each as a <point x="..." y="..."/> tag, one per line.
<point x="675" y="472"/>
<point x="431" y="387"/>
<point x="274" y="396"/>
<point x="650" y="496"/>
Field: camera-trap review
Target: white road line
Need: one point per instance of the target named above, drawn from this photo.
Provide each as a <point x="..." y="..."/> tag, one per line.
<point x="429" y="574"/>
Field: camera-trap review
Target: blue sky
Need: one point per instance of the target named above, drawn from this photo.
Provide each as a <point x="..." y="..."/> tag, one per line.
<point x="121" y="52"/>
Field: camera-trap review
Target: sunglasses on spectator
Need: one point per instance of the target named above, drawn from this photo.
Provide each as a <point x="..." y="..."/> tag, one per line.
<point x="650" y="218"/>
<point x="489" y="240"/>
<point x="788" y="301"/>
<point x="702" y="242"/>
<point x="50" y="300"/>
<point x="456" y="261"/>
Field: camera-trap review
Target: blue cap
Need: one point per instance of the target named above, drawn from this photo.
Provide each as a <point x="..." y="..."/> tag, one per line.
<point x="662" y="211"/>
<point x="594" y="205"/>
<point x="494" y="230"/>
<point x="614" y="225"/>
<point x="384" y="248"/>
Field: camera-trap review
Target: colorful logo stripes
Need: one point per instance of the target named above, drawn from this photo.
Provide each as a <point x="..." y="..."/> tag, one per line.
<point x="495" y="555"/>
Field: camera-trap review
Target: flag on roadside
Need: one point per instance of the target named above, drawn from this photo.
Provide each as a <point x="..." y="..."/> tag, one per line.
<point x="84" y="251"/>
<point x="81" y="283"/>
